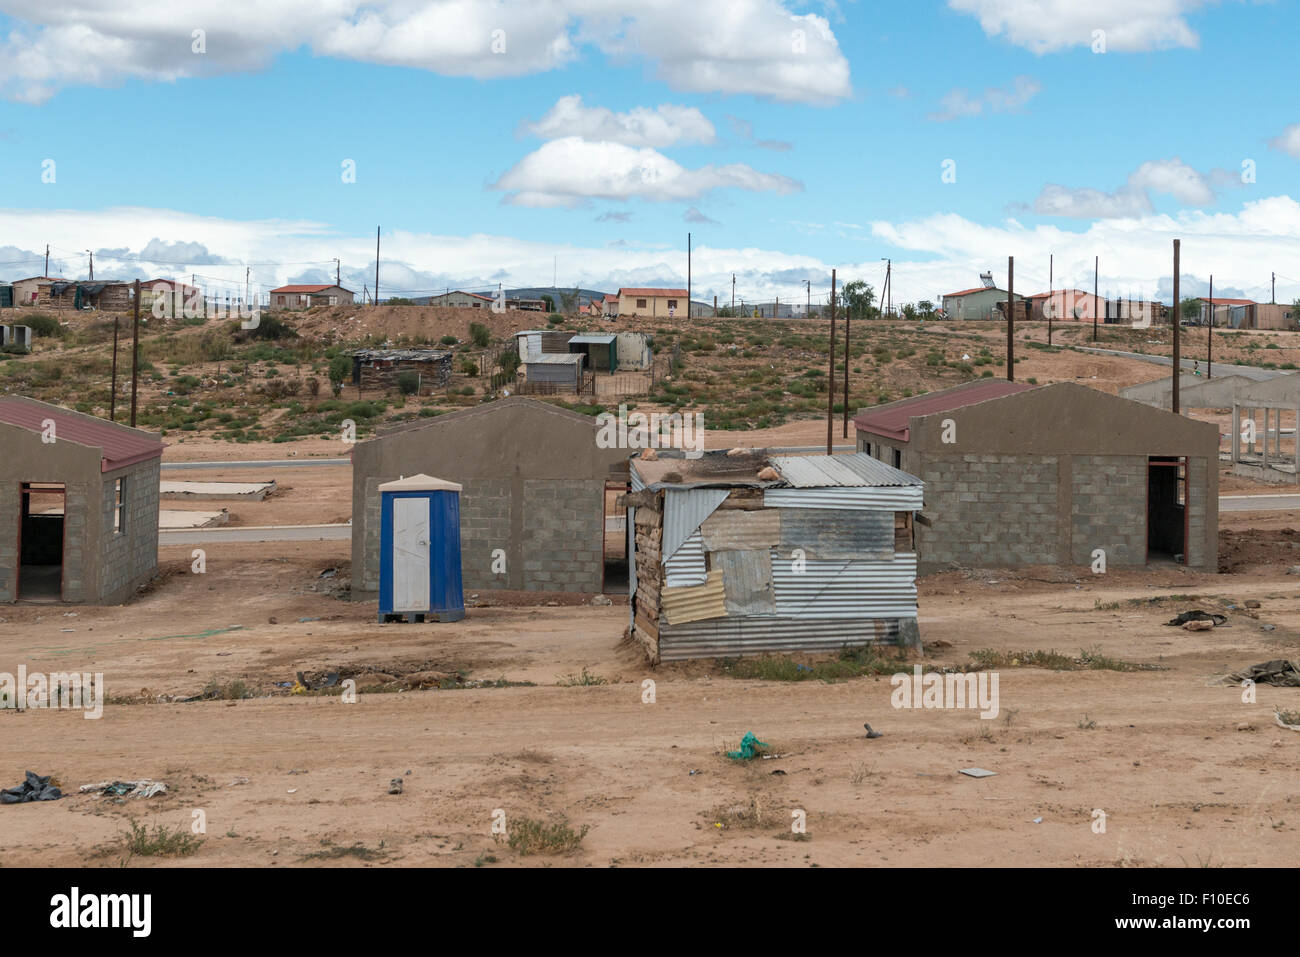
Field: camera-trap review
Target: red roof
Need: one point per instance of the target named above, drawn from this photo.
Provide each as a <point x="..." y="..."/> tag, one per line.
<point x="119" y="445"/>
<point x="967" y="292"/>
<point x="653" y="292"/>
<point x="306" y="288"/>
<point x="610" y="297"/>
<point x="891" y="421"/>
<point x="1229" y="302"/>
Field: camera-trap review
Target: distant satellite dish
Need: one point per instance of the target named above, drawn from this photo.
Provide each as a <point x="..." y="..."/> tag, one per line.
<point x="987" y="279"/>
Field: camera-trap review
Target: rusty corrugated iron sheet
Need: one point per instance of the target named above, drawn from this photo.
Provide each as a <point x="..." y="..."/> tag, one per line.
<point x="695" y="602"/>
<point x="845" y="589"/>
<point x="901" y="498"/>
<point x="729" y="637"/>
<point x="837" y="533"/>
<point x="746" y="581"/>
<point x="734" y="528"/>
<point x="684" y="510"/>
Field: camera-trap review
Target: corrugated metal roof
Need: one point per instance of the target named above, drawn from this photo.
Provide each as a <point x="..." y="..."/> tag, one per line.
<point x="846" y="471"/>
<point x="695" y="602"/>
<point x="119" y="445"/>
<point x="593" y="340"/>
<point x="733" y="528"/>
<point x="732" y="637"/>
<point x="684" y="510"/>
<point x="555" y="359"/>
<point x="891" y="420"/>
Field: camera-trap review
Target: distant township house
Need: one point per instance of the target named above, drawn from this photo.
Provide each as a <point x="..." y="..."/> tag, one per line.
<point x="380" y="368"/>
<point x="34" y="290"/>
<point x="609" y="305"/>
<point x="107" y="296"/>
<point x="652" y="302"/>
<point x="306" y="296"/>
<point x="152" y="289"/>
<point x="1047" y="475"/>
<point x="461" y="300"/>
<point x="527" y="305"/>
<point x="1247" y="314"/>
<point x="751" y="554"/>
<point x="78" y="505"/>
<point x="978" y="303"/>
<point x="532" y="504"/>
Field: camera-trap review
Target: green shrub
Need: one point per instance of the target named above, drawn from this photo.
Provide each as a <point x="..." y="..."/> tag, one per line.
<point x="479" y="334"/>
<point x="408" y="382"/>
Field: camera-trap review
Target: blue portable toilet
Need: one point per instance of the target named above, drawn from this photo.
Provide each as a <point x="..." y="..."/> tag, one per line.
<point x="419" y="543"/>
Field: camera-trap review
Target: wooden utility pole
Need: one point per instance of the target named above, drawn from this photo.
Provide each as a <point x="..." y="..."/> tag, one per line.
<point x="847" y="317"/>
<point x="830" y="386"/>
<point x="688" y="275"/>
<point x="376" y="265"/>
<point x="1095" y="261"/>
<point x="1178" y="327"/>
<point x="1209" y="336"/>
<point x="112" y="399"/>
<point x="1011" y="318"/>
<point x="92" y="266"/>
<point x="1051" y="303"/>
<point x="135" y="351"/>
<point x="46" y="274"/>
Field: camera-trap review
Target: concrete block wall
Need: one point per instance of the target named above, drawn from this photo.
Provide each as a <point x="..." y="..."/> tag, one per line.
<point x="10" y="499"/>
<point x="563" y="538"/>
<point x="485" y="520"/>
<point x="76" y="535"/>
<point x="1197" y="515"/>
<point x="366" y="578"/>
<point x="130" y="559"/>
<point x="990" y="510"/>
<point x="1108" y="508"/>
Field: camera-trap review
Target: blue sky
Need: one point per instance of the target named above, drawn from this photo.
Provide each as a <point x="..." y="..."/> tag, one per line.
<point x="783" y="163"/>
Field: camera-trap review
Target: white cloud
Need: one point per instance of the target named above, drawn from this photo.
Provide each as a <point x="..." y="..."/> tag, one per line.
<point x="663" y="126"/>
<point x="1046" y="26"/>
<point x="958" y="103"/>
<point x="1289" y="141"/>
<point x="747" y="47"/>
<point x="1171" y="177"/>
<point x="947" y="252"/>
<point x="569" y="171"/>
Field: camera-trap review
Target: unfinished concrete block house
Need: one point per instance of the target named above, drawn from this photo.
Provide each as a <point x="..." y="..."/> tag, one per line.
<point x="78" y="505"/>
<point x="533" y="502"/>
<point x="1044" y="475"/>
<point x="815" y="555"/>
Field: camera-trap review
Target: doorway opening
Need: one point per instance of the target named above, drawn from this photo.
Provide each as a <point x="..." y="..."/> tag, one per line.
<point x="41" y="524"/>
<point x="1167" y="508"/>
<point x="615" y="580"/>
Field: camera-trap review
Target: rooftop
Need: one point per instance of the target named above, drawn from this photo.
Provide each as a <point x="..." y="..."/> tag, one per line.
<point x="891" y="421"/>
<point x="653" y="292"/>
<point x="119" y="445"/>
<point x="309" y="288"/>
<point x="719" y="469"/>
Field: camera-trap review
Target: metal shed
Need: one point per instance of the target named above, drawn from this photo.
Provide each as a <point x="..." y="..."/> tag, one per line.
<point x="419" y="556"/>
<point x="819" y="558"/>
<point x="556" y="370"/>
<point x="600" y="350"/>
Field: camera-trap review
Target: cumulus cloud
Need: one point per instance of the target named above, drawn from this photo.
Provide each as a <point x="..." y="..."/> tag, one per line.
<point x="1171" y="177"/>
<point x="758" y="47"/>
<point x="569" y="171"/>
<point x="1046" y="26"/>
<point x="1288" y="141"/>
<point x="662" y="126"/>
<point x="1010" y="99"/>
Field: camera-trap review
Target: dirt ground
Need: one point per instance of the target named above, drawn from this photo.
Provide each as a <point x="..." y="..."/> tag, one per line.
<point x="1185" y="772"/>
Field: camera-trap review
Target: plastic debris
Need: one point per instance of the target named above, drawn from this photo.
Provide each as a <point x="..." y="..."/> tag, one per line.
<point x="977" y="772"/>
<point x="749" y="748"/>
<point x="1198" y="615"/>
<point x="135" y="789"/>
<point x="33" y="788"/>
<point x="395" y="786"/>
<point x="871" y="732"/>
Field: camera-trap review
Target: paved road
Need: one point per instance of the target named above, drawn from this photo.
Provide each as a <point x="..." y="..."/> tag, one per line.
<point x="255" y="533"/>
<point x="1220" y="369"/>
<point x="267" y="464"/>
<point x="1258" y="503"/>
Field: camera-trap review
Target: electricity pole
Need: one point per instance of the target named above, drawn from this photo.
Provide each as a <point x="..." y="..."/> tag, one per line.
<point x="1178" y="349"/>
<point x="1209" y="336"/>
<point x="376" y="265"/>
<point x="733" y="294"/>
<point x="688" y="275"/>
<point x="1011" y="318"/>
<point x="135" y="352"/>
<point x="1051" y="303"/>
<point x="46" y="274"/>
<point x="338" y="281"/>
<point x="92" y="265"/>
<point x="1095" y="261"/>
<point x="807" y="310"/>
<point x="830" y="385"/>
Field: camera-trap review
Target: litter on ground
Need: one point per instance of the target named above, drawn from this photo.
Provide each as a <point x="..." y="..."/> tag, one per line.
<point x="135" y="789"/>
<point x="33" y="788"/>
<point x="749" y="748"/>
<point x="977" y="772"/>
<point x="1198" y="615"/>
<point x="1279" y="672"/>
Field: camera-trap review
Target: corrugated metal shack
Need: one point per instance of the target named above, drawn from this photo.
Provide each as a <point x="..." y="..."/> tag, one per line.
<point x="379" y="368"/>
<point x="815" y="556"/>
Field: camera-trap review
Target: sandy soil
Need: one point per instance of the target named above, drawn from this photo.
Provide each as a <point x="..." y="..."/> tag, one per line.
<point x="1185" y="772"/>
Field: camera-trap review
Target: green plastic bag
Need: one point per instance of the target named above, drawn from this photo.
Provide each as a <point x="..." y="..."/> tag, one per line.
<point x="749" y="748"/>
